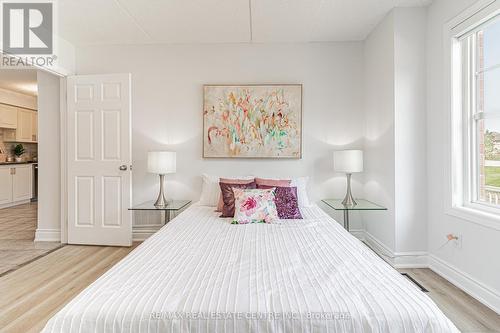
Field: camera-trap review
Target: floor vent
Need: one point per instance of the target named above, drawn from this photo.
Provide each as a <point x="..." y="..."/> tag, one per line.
<point x="415" y="282"/>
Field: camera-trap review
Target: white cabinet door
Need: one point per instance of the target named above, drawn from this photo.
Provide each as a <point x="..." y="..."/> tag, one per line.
<point x="21" y="182"/>
<point x="8" y="116"/>
<point x="24" y="127"/>
<point x="34" y="126"/>
<point x="99" y="178"/>
<point x="5" y="186"/>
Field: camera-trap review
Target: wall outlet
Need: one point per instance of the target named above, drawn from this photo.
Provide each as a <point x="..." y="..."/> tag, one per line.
<point x="458" y="242"/>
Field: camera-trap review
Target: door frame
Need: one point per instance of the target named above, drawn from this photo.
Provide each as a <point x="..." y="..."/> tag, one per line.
<point x="63" y="115"/>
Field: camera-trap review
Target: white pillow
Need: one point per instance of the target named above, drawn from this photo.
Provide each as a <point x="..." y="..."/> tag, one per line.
<point x="210" y="189"/>
<point x="301" y="184"/>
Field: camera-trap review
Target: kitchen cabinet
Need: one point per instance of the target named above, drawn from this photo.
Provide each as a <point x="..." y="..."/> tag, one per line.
<point x="16" y="184"/>
<point x="21" y="182"/>
<point x="27" y="127"/>
<point x="23" y="132"/>
<point x="8" y="116"/>
<point x="5" y="186"/>
<point x="34" y="126"/>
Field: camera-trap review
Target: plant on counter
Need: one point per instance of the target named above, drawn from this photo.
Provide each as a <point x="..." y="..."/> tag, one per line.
<point x="18" y="151"/>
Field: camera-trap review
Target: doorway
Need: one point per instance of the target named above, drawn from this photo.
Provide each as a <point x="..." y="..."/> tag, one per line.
<point x="19" y="181"/>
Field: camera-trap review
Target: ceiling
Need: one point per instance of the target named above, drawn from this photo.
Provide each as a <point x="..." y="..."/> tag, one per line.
<point x="94" y="22"/>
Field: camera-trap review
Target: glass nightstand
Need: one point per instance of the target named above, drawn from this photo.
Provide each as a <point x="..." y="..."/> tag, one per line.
<point x="173" y="206"/>
<point x="361" y="205"/>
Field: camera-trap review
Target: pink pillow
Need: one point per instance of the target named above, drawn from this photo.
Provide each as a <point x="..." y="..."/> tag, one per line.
<point x="270" y="183"/>
<point x="220" y="205"/>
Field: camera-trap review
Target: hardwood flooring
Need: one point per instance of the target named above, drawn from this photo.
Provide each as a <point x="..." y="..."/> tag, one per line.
<point x="32" y="294"/>
<point x="17" y="234"/>
<point x="468" y="314"/>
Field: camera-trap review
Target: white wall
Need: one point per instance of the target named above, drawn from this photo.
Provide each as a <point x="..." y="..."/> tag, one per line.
<point x="475" y="267"/>
<point x="410" y="132"/>
<point x="167" y="106"/>
<point x="379" y="123"/>
<point x="395" y="100"/>
<point x="49" y="158"/>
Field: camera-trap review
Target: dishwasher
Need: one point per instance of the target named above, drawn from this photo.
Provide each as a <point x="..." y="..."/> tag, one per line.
<point x="34" y="196"/>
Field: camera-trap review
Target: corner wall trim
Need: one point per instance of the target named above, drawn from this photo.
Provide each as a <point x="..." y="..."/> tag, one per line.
<point x="462" y="280"/>
<point x="47" y="235"/>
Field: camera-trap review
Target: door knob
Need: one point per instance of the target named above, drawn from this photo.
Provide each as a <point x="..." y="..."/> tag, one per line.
<point x="123" y="167"/>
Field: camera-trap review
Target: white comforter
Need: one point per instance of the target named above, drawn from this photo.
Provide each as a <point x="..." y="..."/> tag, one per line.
<point x="202" y="274"/>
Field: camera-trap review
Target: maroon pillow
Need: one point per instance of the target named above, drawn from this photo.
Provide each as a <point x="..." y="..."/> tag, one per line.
<point x="286" y="203"/>
<point x="228" y="196"/>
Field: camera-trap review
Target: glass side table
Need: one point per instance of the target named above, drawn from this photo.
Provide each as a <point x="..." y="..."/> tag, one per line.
<point x="173" y="206"/>
<point x="361" y="205"/>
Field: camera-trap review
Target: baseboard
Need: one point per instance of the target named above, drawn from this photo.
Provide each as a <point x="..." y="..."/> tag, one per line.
<point x="140" y="234"/>
<point x="13" y="204"/>
<point x="413" y="259"/>
<point x="464" y="281"/>
<point x="47" y="235"/>
<point x="420" y="259"/>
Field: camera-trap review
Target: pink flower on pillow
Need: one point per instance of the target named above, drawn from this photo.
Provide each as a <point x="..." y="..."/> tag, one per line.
<point x="254" y="206"/>
<point x="250" y="203"/>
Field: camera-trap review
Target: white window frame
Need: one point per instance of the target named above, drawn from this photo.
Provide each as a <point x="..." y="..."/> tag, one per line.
<point x="461" y="174"/>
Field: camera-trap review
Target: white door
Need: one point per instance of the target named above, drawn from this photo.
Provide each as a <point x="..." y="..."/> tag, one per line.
<point x="6" y="188"/>
<point x="22" y="182"/>
<point x="99" y="158"/>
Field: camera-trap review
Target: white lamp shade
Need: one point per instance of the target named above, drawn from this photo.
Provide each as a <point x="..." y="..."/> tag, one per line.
<point x="161" y="162"/>
<point x="348" y="161"/>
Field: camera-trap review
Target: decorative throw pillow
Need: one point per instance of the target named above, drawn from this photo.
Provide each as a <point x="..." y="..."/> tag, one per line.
<point x="220" y="205"/>
<point x="287" y="203"/>
<point x="270" y="183"/>
<point x="254" y="206"/>
<point x="228" y="196"/>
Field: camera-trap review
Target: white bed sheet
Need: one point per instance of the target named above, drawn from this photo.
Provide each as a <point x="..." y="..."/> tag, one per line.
<point x="199" y="273"/>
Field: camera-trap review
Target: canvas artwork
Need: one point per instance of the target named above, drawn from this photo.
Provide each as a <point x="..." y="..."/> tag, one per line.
<point x="252" y="121"/>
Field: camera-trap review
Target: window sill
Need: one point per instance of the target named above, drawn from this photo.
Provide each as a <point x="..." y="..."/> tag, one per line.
<point x="477" y="216"/>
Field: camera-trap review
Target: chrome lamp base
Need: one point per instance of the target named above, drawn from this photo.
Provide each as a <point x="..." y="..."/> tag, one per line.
<point x="161" y="202"/>
<point x="349" y="200"/>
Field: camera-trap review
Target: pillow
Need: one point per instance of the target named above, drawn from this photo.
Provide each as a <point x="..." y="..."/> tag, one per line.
<point x="269" y="183"/>
<point x="300" y="183"/>
<point x="228" y="196"/>
<point x="220" y="204"/>
<point x="210" y="190"/>
<point x="287" y="203"/>
<point x="254" y="206"/>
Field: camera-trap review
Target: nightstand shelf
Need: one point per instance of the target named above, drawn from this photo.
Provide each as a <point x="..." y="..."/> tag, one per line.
<point x="173" y="206"/>
<point x="361" y="205"/>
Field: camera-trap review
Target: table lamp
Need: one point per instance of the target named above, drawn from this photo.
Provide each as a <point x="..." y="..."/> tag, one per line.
<point x="349" y="162"/>
<point x="161" y="163"/>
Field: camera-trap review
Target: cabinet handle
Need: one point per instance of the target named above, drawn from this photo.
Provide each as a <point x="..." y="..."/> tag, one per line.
<point x="12" y="171"/>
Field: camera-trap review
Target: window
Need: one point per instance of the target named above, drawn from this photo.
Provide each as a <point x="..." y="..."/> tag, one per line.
<point x="475" y="91"/>
<point x="481" y="101"/>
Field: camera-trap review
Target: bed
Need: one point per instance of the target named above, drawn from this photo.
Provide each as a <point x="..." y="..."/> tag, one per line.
<point x="200" y="273"/>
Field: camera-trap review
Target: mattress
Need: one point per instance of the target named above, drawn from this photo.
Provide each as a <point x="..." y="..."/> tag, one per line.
<point x="200" y="273"/>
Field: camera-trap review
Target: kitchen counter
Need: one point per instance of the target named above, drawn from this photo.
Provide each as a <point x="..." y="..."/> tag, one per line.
<point x="13" y="163"/>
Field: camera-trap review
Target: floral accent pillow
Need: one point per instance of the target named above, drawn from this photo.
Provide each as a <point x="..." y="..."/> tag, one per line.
<point x="254" y="206"/>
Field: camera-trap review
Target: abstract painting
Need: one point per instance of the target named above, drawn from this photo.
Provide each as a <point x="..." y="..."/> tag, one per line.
<point x="252" y="121"/>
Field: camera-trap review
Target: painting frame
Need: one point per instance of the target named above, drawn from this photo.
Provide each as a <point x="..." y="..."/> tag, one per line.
<point x="257" y="85"/>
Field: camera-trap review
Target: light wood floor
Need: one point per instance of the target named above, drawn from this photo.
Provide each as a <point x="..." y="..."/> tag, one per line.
<point x="17" y="234"/>
<point x="32" y="294"/>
